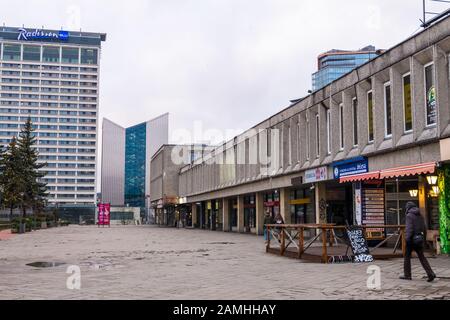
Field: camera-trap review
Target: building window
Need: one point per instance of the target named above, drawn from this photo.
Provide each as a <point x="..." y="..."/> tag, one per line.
<point x="298" y="142"/>
<point x="430" y="95"/>
<point x="317" y="135"/>
<point x="50" y="54"/>
<point x="370" y="116"/>
<point x="89" y="56"/>
<point x="328" y="131"/>
<point x="70" y="55"/>
<point x="355" y="121"/>
<point x="11" y="52"/>
<point x="307" y="138"/>
<point x="290" y="145"/>
<point x="407" y="103"/>
<point x="31" y="53"/>
<point x="387" y="110"/>
<point x="341" y="126"/>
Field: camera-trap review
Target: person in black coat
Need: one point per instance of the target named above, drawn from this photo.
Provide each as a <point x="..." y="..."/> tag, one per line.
<point x="415" y="238"/>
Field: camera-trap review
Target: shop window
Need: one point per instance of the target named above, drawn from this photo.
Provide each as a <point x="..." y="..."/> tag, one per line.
<point x="397" y="195"/>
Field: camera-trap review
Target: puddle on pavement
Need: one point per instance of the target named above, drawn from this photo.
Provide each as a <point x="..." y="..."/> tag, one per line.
<point x="45" y="264"/>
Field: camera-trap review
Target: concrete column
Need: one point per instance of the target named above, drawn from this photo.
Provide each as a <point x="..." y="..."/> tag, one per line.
<point x="259" y="214"/>
<point x="284" y="205"/>
<point x="240" y="214"/>
<point x="194" y="215"/>
<point x="226" y="215"/>
<point x="320" y="199"/>
<point x="423" y="199"/>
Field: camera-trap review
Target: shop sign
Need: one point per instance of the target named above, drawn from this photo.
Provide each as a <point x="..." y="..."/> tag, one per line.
<point x="42" y="35"/>
<point x="271" y="204"/>
<point x="104" y="210"/>
<point x="315" y="175"/>
<point x="359" y="245"/>
<point x="300" y="201"/>
<point x="351" y="167"/>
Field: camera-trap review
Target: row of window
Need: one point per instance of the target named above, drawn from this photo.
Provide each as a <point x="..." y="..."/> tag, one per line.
<point x="46" y="97"/>
<point x="69" y="173"/>
<point x="50" y="82"/>
<point x="66" y="158"/>
<point x="41" y="119"/>
<point x="49" y="105"/>
<point x="71" y="181"/>
<point x="52" y="54"/>
<point x="45" y="126"/>
<point x="49" y="112"/>
<point x="48" y="75"/>
<point x="430" y="111"/>
<point x="70" y="165"/>
<point x="65" y="150"/>
<point x="47" y="67"/>
<point x="66" y="143"/>
<point x="48" y="89"/>
<point x="70" y="188"/>
<point x="71" y="196"/>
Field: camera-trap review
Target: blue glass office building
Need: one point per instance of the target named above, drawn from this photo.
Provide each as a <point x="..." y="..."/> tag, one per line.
<point x="335" y="63"/>
<point x="135" y="155"/>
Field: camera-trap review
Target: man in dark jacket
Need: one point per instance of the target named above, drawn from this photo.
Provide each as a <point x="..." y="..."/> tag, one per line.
<point x="415" y="226"/>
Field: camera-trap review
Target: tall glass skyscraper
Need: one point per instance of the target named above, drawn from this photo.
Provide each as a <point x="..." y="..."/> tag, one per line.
<point x="53" y="77"/>
<point x="335" y="63"/>
<point x="126" y="156"/>
<point x="135" y="155"/>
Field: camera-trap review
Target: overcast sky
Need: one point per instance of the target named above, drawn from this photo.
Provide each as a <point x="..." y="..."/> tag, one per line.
<point x="227" y="63"/>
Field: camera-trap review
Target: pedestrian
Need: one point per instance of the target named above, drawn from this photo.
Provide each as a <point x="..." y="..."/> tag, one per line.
<point x="415" y="239"/>
<point x="268" y="219"/>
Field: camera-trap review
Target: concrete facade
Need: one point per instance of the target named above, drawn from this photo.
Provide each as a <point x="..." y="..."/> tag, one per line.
<point x="318" y="130"/>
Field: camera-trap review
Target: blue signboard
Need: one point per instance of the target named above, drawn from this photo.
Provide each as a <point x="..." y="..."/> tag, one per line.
<point x="350" y="167"/>
<point x="42" y="35"/>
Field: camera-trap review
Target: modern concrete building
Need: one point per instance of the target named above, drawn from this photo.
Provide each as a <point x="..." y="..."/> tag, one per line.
<point x="164" y="180"/>
<point x="126" y="156"/>
<point x="355" y="151"/>
<point x="335" y="63"/>
<point x="53" y="77"/>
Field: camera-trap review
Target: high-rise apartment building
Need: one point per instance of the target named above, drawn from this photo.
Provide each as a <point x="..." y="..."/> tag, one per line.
<point x="53" y="77"/>
<point x="335" y="63"/>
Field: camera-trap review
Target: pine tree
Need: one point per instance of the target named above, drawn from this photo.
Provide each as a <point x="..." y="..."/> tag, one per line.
<point x="11" y="182"/>
<point x="35" y="192"/>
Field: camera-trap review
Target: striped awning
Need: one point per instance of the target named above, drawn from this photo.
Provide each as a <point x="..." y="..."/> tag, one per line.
<point x="361" y="177"/>
<point x="423" y="168"/>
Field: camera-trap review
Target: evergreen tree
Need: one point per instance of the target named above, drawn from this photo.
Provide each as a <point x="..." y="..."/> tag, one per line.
<point x="35" y="192"/>
<point x="11" y="182"/>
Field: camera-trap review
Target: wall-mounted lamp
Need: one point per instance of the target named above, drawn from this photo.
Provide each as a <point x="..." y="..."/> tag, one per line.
<point x="432" y="180"/>
<point x="436" y="190"/>
<point x="413" y="193"/>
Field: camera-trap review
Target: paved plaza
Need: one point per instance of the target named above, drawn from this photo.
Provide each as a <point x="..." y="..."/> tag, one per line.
<point x="147" y="262"/>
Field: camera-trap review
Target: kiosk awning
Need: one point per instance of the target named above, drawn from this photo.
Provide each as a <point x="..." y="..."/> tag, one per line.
<point x="423" y="168"/>
<point x="361" y="177"/>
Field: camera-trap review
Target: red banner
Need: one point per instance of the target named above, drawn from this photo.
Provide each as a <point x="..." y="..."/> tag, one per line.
<point x="104" y="210"/>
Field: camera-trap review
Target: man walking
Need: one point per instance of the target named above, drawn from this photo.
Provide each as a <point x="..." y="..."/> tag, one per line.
<point x="415" y="239"/>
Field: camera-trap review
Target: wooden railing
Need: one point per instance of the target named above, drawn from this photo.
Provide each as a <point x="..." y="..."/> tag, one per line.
<point x="293" y="235"/>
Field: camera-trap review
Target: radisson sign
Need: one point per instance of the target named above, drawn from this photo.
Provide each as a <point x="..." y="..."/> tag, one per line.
<point x="42" y="35"/>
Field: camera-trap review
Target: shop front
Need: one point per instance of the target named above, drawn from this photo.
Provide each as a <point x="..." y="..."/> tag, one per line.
<point x="380" y="197"/>
<point x="250" y="213"/>
<point x="272" y="203"/>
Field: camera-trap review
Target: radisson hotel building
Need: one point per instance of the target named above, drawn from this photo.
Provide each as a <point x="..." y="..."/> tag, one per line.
<point x="53" y="77"/>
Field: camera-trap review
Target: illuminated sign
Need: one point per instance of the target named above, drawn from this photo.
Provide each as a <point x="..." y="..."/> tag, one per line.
<point x="42" y="35"/>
